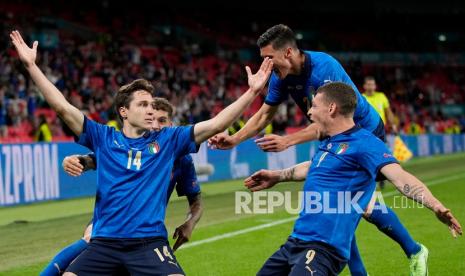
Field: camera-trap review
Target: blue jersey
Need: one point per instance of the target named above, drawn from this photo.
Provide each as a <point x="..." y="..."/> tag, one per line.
<point x="183" y="177"/>
<point x="319" y="69"/>
<point x="343" y="169"/>
<point x="133" y="178"/>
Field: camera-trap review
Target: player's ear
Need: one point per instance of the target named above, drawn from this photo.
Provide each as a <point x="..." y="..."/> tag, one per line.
<point x="332" y="108"/>
<point x="288" y="52"/>
<point x="123" y="111"/>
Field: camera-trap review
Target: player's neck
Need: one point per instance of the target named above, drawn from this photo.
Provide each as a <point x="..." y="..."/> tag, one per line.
<point x="133" y="132"/>
<point x="369" y="92"/>
<point x="339" y="126"/>
<point x="298" y="63"/>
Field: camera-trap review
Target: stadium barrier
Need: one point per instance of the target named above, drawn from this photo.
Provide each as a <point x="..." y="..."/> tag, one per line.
<point x="33" y="173"/>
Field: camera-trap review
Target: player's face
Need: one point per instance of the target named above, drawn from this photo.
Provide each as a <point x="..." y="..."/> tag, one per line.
<point x="369" y="85"/>
<point x="160" y="120"/>
<point x="319" y="112"/>
<point x="140" y="111"/>
<point x="281" y="59"/>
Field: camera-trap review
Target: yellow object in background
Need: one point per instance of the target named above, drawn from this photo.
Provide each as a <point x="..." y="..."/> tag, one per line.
<point x="400" y="151"/>
<point x="379" y="102"/>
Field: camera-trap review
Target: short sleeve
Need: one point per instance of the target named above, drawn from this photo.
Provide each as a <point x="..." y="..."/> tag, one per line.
<point x="187" y="184"/>
<point x="374" y="155"/>
<point x="183" y="140"/>
<point x="328" y="69"/>
<point x="92" y="134"/>
<point x="275" y="95"/>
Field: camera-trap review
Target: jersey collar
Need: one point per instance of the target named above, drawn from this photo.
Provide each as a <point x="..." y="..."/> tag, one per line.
<point x="307" y="70"/>
<point x="347" y="132"/>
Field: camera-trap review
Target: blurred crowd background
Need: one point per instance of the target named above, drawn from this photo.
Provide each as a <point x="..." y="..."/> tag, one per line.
<point x="195" y="56"/>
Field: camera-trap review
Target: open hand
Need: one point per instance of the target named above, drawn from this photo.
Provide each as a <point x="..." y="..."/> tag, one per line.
<point x="263" y="179"/>
<point x="221" y="141"/>
<point x="272" y="143"/>
<point x="258" y="80"/>
<point x="72" y="165"/>
<point x="26" y="55"/>
<point x="446" y="217"/>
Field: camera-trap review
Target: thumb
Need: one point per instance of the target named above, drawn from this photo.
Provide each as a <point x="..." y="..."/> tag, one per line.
<point x="175" y="234"/>
<point x="249" y="72"/>
<point x="257" y="175"/>
<point x="34" y="45"/>
<point x="220" y="139"/>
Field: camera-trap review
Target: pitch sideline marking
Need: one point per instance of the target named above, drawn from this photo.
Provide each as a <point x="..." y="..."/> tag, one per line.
<point x="282" y="221"/>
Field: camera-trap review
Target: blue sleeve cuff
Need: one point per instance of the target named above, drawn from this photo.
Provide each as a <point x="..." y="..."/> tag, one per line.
<point x="77" y="139"/>
<point x="197" y="146"/>
<point x="271" y="103"/>
<point x="379" y="176"/>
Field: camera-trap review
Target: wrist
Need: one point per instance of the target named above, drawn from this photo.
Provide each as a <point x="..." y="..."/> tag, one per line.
<point x="254" y="91"/>
<point x="236" y="138"/>
<point x="438" y="208"/>
<point x="287" y="141"/>
<point x="190" y="223"/>
<point x="30" y="66"/>
<point x="283" y="175"/>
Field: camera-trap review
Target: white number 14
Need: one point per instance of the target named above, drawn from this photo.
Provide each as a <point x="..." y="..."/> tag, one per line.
<point x="137" y="159"/>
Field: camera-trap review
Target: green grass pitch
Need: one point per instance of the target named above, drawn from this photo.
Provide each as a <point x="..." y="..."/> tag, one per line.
<point x="227" y="244"/>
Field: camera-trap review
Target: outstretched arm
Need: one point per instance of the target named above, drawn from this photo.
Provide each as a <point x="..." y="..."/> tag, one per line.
<point x="413" y="188"/>
<point x="277" y="143"/>
<point x="265" y="179"/>
<point x="256" y="123"/>
<point x="253" y="126"/>
<point x="73" y="118"/>
<point x="206" y="129"/>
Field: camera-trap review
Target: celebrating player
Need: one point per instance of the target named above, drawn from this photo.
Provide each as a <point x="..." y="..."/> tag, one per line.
<point x="183" y="178"/>
<point x="347" y="162"/>
<point x="299" y="73"/>
<point x="133" y="170"/>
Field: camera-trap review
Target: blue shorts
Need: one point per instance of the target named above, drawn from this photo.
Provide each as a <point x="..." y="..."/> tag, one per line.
<point x="298" y="257"/>
<point x="147" y="256"/>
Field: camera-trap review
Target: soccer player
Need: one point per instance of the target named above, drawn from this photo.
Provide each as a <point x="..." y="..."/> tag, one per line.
<point x="133" y="170"/>
<point x="183" y="178"/>
<point x="379" y="102"/>
<point x="347" y="163"/>
<point x="299" y="73"/>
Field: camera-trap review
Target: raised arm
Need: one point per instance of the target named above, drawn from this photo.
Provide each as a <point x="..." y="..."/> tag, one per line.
<point x="73" y="118"/>
<point x="206" y="129"/>
<point x="257" y="123"/>
<point x="265" y="179"/>
<point x="413" y="188"/>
